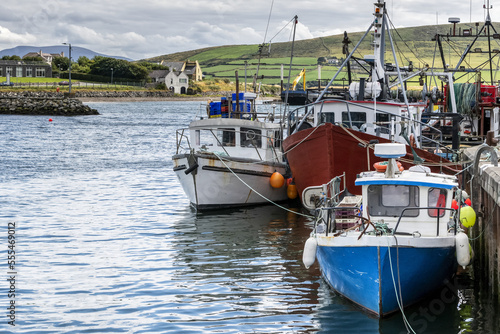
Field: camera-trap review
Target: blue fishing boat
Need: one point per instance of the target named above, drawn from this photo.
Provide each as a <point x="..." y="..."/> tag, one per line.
<point x="396" y="243"/>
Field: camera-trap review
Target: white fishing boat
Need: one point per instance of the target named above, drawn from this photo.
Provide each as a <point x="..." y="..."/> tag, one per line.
<point x="229" y="158"/>
<point x="396" y="243"/>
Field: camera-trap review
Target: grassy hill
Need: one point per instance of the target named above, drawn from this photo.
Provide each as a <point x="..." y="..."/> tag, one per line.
<point x="413" y="44"/>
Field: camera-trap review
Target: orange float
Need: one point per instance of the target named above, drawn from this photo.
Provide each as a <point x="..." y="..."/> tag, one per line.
<point x="277" y="180"/>
<point x="382" y="166"/>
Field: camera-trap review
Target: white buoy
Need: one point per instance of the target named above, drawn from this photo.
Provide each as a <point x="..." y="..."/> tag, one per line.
<point x="309" y="255"/>
<point x="462" y="245"/>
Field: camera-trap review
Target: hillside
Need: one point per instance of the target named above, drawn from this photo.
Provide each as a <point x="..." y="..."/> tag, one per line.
<point x="76" y="51"/>
<point x="413" y="44"/>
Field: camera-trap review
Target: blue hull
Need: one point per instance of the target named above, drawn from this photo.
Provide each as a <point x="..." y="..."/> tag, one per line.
<point x="363" y="274"/>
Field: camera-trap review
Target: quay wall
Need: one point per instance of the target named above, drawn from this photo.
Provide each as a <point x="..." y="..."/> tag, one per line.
<point x="483" y="185"/>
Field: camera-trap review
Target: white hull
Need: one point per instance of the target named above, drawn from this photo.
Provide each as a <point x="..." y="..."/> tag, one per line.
<point x="212" y="185"/>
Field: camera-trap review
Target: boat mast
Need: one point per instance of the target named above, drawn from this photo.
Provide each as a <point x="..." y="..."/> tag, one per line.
<point x="378" y="72"/>
<point x="295" y="21"/>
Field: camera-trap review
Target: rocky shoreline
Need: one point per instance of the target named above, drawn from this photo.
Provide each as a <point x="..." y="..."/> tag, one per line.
<point x="42" y="103"/>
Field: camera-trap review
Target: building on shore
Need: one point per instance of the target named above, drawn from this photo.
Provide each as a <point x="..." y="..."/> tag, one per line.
<point x="175" y="81"/>
<point x="191" y="68"/>
<point x="46" y="57"/>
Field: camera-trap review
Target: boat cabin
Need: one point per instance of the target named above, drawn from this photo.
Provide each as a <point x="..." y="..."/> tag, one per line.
<point x="409" y="201"/>
<point x="237" y="138"/>
<point x="361" y="116"/>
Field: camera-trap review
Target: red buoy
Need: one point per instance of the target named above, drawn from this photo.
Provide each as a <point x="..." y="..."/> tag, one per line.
<point x="50" y="119"/>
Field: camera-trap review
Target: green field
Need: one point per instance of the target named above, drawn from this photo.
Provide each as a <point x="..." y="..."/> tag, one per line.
<point x="412" y="44"/>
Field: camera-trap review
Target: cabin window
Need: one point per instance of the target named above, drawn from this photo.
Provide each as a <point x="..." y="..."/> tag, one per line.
<point x="277" y="139"/>
<point x="436" y="198"/>
<point x="328" y="117"/>
<point x="250" y="138"/>
<point x="197" y="137"/>
<point x="355" y="118"/>
<point x="385" y="126"/>
<point x="390" y="200"/>
<point x="227" y="137"/>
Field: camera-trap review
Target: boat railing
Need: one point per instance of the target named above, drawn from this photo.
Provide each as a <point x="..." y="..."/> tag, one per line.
<point x="438" y="216"/>
<point x="252" y="140"/>
<point x="179" y="137"/>
<point x="329" y="217"/>
<point x="328" y="194"/>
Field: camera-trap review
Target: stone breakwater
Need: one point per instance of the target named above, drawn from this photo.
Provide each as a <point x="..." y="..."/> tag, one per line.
<point x="35" y="103"/>
<point x="55" y="103"/>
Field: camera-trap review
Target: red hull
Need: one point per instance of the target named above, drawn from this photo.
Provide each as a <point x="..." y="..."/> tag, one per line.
<point x="319" y="154"/>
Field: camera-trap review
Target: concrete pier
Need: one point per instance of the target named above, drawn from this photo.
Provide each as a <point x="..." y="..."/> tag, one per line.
<point x="482" y="181"/>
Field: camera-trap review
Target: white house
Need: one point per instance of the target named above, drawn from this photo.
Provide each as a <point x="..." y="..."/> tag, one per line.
<point x="177" y="83"/>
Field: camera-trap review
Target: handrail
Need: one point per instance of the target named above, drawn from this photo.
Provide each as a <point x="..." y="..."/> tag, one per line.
<point x="178" y="140"/>
<point x="180" y="135"/>
<point x="424" y="208"/>
<point x="335" y="208"/>
<point x="304" y="117"/>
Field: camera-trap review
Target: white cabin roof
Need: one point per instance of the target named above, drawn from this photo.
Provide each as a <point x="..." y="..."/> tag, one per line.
<point x="410" y="178"/>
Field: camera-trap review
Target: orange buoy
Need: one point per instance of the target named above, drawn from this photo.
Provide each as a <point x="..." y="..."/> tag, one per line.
<point x="291" y="191"/>
<point x="277" y="180"/>
<point x="468" y="202"/>
<point x="454" y="204"/>
<point x="382" y="166"/>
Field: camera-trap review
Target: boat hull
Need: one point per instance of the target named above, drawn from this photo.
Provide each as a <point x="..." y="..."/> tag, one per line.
<point x="211" y="184"/>
<point x="363" y="273"/>
<point x="318" y="154"/>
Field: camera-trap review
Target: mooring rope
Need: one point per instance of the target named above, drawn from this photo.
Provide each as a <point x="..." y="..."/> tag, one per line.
<point x="398" y="295"/>
<point x="255" y="191"/>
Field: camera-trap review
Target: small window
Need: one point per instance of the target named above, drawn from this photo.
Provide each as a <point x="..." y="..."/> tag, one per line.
<point x="436" y="198"/>
<point x="328" y="117"/>
<point x="250" y="138"/>
<point x="227" y="137"/>
<point x="19" y="71"/>
<point x="29" y="71"/>
<point x="40" y="72"/>
<point x="390" y="200"/>
<point x="197" y="137"/>
<point x="277" y="139"/>
<point x="357" y="119"/>
<point x="384" y="119"/>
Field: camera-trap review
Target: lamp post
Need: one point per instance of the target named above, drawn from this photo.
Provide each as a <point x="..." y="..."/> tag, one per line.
<point x="111" y="75"/>
<point x="69" y="67"/>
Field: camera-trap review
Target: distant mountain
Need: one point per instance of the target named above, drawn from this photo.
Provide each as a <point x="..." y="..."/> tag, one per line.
<point x="76" y="51"/>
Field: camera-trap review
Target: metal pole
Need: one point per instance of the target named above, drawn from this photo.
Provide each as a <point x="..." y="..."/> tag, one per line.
<point x="69" y="72"/>
<point x="69" y="67"/>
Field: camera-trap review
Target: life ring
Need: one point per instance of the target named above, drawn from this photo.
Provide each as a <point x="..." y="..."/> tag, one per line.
<point x="412" y="141"/>
<point x="381" y="166"/>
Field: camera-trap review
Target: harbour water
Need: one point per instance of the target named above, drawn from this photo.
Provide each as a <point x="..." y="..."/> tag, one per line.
<point x="106" y="242"/>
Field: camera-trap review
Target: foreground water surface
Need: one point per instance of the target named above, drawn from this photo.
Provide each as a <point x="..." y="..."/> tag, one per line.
<point x="106" y="242"/>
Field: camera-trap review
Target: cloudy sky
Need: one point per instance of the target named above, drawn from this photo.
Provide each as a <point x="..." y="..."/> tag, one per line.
<point x="148" y="28"/>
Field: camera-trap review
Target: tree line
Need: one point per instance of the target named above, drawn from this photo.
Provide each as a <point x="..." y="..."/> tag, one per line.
<point x="100" y="66"/>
